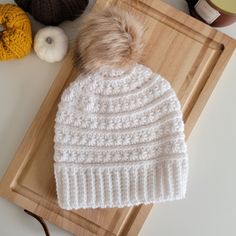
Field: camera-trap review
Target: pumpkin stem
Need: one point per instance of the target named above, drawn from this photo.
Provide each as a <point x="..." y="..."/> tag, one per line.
<point x="2" y="28"/>
<point x="49" y="40"/>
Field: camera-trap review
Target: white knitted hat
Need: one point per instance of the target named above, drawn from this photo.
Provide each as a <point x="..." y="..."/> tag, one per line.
<point x="119" y="140"/>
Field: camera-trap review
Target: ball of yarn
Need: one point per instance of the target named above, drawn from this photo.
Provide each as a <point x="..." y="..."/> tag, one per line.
<point x="15" y="35"/>
<point x="53" y="12"/>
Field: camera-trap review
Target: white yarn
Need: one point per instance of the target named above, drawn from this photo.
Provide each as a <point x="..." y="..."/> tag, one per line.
<point x="119" y="141"/>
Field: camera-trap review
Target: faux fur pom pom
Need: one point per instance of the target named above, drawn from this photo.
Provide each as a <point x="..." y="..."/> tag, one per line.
<point x="111" y="37"/>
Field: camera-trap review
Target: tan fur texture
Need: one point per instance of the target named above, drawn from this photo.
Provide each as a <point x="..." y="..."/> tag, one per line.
<point x="111" y="37"/>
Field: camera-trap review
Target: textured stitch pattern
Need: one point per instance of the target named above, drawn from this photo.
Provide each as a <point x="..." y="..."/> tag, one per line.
<point x="119" y="141"/>
<point x="16" y="37"/>
<point x="53" y="12"/>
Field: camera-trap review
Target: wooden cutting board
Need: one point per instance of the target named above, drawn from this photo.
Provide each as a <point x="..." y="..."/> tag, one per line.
<point x="188" y="53"/>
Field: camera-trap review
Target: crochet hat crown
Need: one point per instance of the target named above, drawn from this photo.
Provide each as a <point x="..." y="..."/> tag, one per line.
<point x="119" y="140"/>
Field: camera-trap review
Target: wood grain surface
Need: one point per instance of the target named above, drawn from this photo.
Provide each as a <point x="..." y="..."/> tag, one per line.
<point x="188" y="53"/>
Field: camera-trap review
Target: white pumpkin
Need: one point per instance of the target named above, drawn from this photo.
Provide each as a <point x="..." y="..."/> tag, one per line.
<point x="51" y="44"/>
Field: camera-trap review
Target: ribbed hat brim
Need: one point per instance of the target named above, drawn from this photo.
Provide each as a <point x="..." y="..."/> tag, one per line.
<point x="121" y="185"/>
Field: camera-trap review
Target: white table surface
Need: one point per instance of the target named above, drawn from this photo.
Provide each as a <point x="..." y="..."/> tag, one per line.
<point x="210" y="207"/>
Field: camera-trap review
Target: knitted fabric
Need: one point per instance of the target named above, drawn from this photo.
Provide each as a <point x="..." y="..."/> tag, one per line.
<point x="119" y="141"/>
<point x="16" y="36"/>
<point x="53" y="12"/>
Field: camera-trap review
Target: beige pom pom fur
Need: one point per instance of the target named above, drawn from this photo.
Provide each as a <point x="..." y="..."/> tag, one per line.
<point x="111" y="37"/>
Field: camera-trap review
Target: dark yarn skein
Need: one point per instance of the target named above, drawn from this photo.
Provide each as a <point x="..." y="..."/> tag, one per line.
<point x="53" y="12"/>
